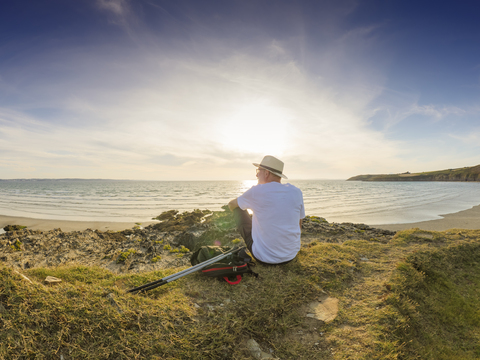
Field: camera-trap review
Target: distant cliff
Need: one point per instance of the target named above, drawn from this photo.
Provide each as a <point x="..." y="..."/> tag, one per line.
<point x="461" y="174"/>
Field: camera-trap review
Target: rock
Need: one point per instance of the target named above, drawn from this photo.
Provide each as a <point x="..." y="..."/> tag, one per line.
<point x="156" y="246"/>
<point x="325" y="310"/>
<point x="256" y="351"/>
<point x="114" y="303"/>
<point x="186" y="239"/>
<point x="363" y="227"/>
<point x="52" y="280"/>
<point x="13" y="227"/>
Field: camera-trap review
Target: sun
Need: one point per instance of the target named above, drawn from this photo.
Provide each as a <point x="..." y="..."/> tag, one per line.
<point x="257" y="127"/>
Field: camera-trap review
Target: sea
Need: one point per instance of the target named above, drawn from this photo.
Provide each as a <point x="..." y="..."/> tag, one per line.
<point x="139" y="201"/>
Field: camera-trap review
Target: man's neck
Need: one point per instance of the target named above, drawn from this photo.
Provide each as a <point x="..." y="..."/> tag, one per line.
<point x="271" y="181"/>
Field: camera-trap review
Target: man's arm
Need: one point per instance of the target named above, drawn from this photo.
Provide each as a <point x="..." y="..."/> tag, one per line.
<point x="233" y="204"/>
<point x="301" y="222"/>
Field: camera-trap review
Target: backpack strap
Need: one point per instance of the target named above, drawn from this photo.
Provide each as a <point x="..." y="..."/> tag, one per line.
<point x="239" y="278"/>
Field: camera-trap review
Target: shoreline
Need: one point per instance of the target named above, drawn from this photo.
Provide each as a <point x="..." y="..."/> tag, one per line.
<point x="67" y="225"/>
<point x="468" y="219"/>
<point x="465" y="219"/>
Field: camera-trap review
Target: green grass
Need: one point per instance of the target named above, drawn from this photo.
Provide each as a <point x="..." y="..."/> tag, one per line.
<point x="76" y="319"/>
<point x="435" y="300"/>
<point x="416" y="297"/>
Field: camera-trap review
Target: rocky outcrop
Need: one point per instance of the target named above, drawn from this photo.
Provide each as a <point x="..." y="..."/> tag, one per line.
<point x="167" y="244"/>
<point x="315" y="228"/>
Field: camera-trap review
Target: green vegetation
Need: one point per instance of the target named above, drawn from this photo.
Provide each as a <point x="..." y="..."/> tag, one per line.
<point x="156" y="258"/>
<point x="217" y="224"/>
<point x="435" y="303"/>
<point x="184" y="250"/>
<point x="173" y="221"/>
<point x="317" y="219"/>
<point x="17" y="245"/>
<point x="415" y="297"/>
<point x="124" y="255"/>
<point x="14" y="227"/>
<point x="461" y="174"/>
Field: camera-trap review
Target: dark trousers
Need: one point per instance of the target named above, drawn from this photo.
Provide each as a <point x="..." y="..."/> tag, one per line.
<point x="243" y="220"/>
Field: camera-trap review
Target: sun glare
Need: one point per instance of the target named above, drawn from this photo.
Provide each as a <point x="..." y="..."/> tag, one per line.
<point x="247" y="184"/>
<point x="257" y="127"/>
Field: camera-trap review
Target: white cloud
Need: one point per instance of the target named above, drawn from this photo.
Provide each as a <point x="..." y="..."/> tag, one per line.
<point x="396" y="107"/>
<point x="471" y="138"/>
<point x="119" y="12"/>
<point x="435" y="112"/>
<point x="190" y="117"/>
<point x="117" y="7"/>
<point x="205" y="109"/>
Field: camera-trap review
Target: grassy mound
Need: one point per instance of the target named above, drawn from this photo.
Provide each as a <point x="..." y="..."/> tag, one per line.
<point x="414" y="297"/>
<point x="435" y="303"/>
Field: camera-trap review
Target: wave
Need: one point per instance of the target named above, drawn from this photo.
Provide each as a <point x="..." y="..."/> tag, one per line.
<point x="335" y="200"/>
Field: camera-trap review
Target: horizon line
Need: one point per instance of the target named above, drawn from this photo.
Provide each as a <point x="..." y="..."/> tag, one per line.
<point x="101" y="179"/>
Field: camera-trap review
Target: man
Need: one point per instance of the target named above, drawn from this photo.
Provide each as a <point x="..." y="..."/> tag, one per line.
<point x="272" y="235"/>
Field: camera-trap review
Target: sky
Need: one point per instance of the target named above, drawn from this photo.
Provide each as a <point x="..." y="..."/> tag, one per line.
<point x="200" y="90"/>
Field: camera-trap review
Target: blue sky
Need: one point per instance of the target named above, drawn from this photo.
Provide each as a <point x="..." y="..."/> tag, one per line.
<point x="180" y="90"/>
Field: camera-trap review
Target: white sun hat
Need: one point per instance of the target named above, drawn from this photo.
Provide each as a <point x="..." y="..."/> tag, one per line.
<point x="273" y="165"/>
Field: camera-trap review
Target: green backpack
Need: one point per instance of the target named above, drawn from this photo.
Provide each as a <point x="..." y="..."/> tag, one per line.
<point x="230" y="268"/>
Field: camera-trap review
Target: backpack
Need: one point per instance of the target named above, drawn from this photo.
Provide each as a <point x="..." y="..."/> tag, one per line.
<point x="230" y="268"/>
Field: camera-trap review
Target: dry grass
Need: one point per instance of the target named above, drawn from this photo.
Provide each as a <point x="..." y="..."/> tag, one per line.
<point x="414" y="297"/>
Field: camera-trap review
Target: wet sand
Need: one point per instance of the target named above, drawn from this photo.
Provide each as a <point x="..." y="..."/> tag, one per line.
<point x="466" y="219"/>
<point x="44" y="225"/>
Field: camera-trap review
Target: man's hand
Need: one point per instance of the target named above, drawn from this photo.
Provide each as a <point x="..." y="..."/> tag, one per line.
<point x="233" y="204"/>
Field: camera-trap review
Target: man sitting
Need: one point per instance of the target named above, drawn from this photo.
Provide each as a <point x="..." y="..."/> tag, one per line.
<point x="272" y="235"/>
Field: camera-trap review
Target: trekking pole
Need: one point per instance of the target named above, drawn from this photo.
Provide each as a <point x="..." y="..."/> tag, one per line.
<point x="190" y="270"/>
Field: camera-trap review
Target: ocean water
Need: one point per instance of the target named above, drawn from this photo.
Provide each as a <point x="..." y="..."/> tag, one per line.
<point x="139" y="201"/>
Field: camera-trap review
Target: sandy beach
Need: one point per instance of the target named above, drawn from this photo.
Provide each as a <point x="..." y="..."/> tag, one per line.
<point x="466" y="219"/>
<point x="44" y="225"/>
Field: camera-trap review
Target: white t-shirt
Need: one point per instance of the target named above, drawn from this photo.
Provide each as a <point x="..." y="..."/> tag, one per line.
<point x="277" y="210"/>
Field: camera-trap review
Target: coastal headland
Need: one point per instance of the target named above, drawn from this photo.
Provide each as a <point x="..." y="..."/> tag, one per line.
<point x="63" y="294"/>
<point x="461" y="174"/>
